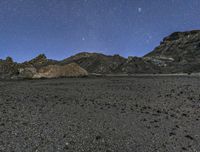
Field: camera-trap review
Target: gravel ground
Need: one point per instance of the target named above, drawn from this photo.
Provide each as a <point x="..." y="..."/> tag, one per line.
<point x="110" y="114"/>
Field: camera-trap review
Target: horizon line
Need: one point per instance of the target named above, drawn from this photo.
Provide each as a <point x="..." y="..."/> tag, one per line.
<point x="92" y="52"/>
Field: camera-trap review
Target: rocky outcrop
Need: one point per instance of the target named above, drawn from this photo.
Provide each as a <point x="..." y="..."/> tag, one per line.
<point x="39" y="61"/>
<point x="8" y="68"/>
<point x="138" y="65"/>
<point x="56" y="71"/>
<point x="25" y="73"/>
<point x="50" y="71"/>
<point x="179" y="52"/>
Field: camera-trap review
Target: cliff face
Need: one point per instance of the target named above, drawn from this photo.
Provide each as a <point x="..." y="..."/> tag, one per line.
<point x="180" y="52"/>
<point x="179" y="46"/>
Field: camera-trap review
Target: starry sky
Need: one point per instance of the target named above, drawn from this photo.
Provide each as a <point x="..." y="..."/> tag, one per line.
<point x="60" y="28"/>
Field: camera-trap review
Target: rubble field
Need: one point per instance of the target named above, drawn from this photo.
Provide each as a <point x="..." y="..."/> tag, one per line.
<point x="103" y="114"/>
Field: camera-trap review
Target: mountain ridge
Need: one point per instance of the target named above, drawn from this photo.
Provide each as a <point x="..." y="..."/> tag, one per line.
<point x="177" y="53"/>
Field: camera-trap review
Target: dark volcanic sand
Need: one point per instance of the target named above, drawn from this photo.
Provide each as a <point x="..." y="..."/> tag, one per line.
<point x="141" y="114"/>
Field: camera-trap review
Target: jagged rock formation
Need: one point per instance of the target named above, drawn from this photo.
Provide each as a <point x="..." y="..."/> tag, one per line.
<point x="50" y="71"/>
<point x="39" y="67"/>
<point x="179" y="46"/>
<point x="8" y="68"/>
<point x="179" y="52"/>
<point x="56" y="71"/>
<point x="138" y="65"/>
<point x="39" y="61"/>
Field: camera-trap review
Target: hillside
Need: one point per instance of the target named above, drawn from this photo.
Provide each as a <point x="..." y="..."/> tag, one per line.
<point x="180" y="52"/>
<point x="107" y="64"/>
<point x="177" y="53"/>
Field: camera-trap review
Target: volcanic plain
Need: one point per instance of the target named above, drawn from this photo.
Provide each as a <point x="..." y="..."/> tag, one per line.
<point x="101" y="114"/>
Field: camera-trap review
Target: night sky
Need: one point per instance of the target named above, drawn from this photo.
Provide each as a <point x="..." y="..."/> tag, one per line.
<point x="60" y="28"/>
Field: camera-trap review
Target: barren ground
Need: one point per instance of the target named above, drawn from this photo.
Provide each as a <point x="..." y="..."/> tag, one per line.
<point x="110" y="114"/>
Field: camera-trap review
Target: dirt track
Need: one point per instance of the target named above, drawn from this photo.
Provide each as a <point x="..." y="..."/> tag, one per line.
<point x="141" y="114"/>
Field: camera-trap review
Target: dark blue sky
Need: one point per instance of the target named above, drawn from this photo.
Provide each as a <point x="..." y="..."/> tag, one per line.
<point x="60" y="28"/>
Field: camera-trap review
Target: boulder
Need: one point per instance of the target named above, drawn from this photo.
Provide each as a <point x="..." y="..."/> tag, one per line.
<point x="27" y="73"/>
<point x="56" y="71"/>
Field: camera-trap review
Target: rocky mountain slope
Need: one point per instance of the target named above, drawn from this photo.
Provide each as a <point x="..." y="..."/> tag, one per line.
<point x="96" y="62"/>
<point x="180" y="52"/>
<point x="8" y="68"/>
<point x="177" y="53"/>
<point x="107" y="64"/>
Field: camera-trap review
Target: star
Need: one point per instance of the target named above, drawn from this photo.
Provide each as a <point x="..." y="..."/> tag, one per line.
<point x="139" y="9"/>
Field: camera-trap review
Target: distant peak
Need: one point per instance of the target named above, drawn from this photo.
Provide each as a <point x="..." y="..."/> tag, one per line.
<point x="41" y="56"/>
<point x="86" y="55"/>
